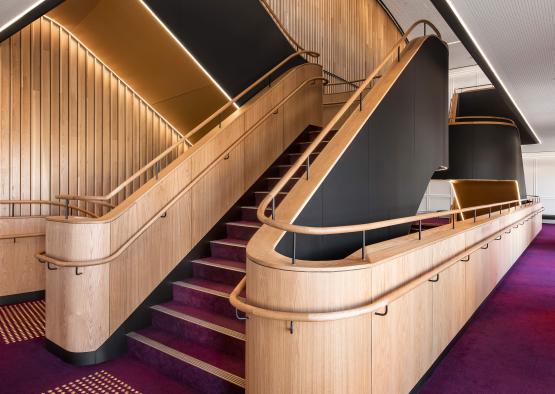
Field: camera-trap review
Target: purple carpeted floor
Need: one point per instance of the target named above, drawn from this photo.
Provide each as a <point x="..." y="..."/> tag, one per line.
<point x="509" y="346"/>
<point x="27" y="367"/>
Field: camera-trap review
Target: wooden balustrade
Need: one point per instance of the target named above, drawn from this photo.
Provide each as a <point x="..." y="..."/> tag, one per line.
<point x="193" y="193"/>
<point x="387" y="318"/>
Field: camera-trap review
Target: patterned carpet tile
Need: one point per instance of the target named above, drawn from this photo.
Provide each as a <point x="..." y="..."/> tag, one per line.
<point x="98" y="382"/>
<point x="22" y="322"/>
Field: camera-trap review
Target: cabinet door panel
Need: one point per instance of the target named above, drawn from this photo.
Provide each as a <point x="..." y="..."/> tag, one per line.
<point x="402" y="341"/>
<point x="449" y="306"/>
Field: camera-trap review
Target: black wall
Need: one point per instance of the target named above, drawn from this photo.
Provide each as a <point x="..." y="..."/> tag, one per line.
<point x="484" y="152"/>
<point x="486" y="102"/>
<point x="235" y="41"/>
<point x="385" y="171"/>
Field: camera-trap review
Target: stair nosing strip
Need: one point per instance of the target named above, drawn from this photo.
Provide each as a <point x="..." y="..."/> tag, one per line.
<point x="278" y="178"/>
<point x="244" y="225"/>
<point x="199" y="322"/>
<point x="266" y="192"/>
<point x="222" y="266"/>
<point x="217" y="241"/>
<point x="252" y="207"/>
<point x="195" y="362"/>
<point x="202" y="289"/>
<point x="298" y="154"/>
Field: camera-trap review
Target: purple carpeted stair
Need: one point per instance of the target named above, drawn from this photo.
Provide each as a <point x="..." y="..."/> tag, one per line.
<point x="196" y="338"/>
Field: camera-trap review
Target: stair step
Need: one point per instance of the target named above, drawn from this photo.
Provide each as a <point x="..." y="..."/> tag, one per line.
<point x="234" y="327"/>
<point x="314" y="133"/>
<point x="293" y="157"/>
<point x="281" y="170"/>
<point x="197" y="366"/>
<point x="259" y="196"/>
<point x="204" y="294"/>
<point x="219" y="270"/>
<point x="229" y="249"/>
<point x="243" y="229"/>
<point x="186" y="323"/>
<point x="249" y="213"/>
<point x="302" y="146"/>
<point x="272" y="181"/>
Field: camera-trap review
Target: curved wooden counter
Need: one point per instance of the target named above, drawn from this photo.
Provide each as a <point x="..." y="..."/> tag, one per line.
<point x="366" y="353"/>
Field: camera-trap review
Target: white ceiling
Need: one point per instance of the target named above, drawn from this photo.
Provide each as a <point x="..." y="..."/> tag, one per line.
<point x="406" y="12"/>
<point x="518" y="39"/>
<point x="11" y="10"/>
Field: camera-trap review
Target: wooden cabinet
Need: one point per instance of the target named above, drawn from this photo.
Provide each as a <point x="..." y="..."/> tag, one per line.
<point x="449" y="314"/>
<point x="478" y="280"/>
<point x="402" y="348"/>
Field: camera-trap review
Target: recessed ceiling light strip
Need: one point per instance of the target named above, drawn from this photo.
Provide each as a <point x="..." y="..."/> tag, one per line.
<point x="452" y="6"/>
<point x="21" y="15"/>
<point x="187" y="51"/>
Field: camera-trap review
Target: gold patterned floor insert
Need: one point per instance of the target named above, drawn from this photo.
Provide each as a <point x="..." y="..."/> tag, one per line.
<point x="22" y="322"/>
<point x="98" y="382"/>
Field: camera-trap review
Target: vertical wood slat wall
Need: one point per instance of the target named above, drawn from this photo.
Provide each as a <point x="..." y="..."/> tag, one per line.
<point x="68" y="124"/>
<point x="352" y="36"/>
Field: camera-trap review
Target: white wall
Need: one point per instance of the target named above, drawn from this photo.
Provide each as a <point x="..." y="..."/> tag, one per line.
<point x="539" y="173"/>
<point x="438" y="197"/>
<point x="465" y="77"/>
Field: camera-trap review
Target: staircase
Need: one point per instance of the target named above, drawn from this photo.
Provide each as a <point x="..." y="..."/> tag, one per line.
<point x="196" y="338"/>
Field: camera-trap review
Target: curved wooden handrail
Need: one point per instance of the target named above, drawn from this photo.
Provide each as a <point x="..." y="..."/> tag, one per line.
<point x="185" y="139"/>
<point x="89" y="263"/>
<point x="18" y="236"/>
<point x="370" y="307"/>
<point x="497" y="120"/>
<point x="47" y="202"/>
<point x="261" y="212"/>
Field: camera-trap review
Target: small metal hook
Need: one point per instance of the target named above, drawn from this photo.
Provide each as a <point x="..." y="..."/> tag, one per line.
<point x="384" y="313"/>
<point x="239" y="317"/>
<point x="50" y="268"/>
<point x="77" y="271"/>
<point x="485" y="247"/>
<point x="226" y="156"/>
<point x="434" y="280"/>
<point x="164" y="215"/>
<point x="467" y="258"/>
<point x="291" y="327"/>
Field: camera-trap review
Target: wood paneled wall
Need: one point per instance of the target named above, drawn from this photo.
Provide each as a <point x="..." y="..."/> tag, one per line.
<point x="68" y="124"/>
<point x="352" y="36"/>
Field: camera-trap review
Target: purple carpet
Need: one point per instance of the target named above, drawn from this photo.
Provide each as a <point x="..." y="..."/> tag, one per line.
<point x="509" y="346"/>
<point x="27" y="367"/>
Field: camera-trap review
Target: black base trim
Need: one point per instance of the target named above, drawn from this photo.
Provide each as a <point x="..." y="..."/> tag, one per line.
<point x="79" y="359"/>
<point x="23" y="297"/>
<point x="548" y="217"/>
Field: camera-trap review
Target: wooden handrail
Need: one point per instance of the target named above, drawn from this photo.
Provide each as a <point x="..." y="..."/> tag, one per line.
<point x="47" y="202"/>
<point x="185" y="139"/>
<point x="261" y="212"/>
<point x="17" y="236"/>
<point x="370" y="307"/>
<point x="479" y="119"/>
<point x="89" y="263"/>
